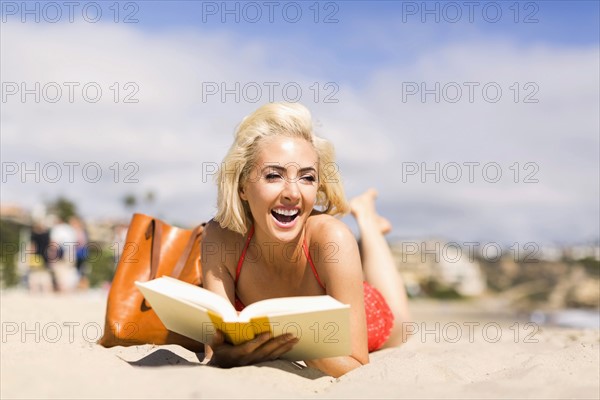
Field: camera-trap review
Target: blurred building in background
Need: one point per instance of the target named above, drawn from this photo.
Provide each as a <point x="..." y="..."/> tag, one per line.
<point x="552" y="277"/>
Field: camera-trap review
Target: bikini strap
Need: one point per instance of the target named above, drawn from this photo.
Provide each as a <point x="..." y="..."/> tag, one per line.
<point x="243" y="256"/>
<point x="312" y="265"/>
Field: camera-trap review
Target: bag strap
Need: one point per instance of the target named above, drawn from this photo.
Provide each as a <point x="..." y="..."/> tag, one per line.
<point x="186" y="251"/>
<point x="154" y="231"/>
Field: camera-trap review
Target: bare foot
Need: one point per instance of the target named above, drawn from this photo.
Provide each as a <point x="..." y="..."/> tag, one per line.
<point x="385" y="226"/>
<point x="362" y="208"/>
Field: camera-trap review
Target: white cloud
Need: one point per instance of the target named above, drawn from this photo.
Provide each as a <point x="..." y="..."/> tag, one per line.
<point x="171" y="131"/>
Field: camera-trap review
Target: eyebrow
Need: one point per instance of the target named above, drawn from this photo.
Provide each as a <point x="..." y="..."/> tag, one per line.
<point x="279" y="168"/>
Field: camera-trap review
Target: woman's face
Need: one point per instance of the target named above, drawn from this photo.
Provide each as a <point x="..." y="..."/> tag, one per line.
<point x="281" y="188"/>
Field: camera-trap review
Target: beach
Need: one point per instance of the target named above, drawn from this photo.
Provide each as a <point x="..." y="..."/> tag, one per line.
<point x="466" y="349"/>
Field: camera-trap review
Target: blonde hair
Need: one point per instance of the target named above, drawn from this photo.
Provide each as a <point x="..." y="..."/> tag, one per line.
<point x="272" y="120"/>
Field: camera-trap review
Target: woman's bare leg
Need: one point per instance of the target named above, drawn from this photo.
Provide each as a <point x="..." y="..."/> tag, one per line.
<point x="378" y="263"/>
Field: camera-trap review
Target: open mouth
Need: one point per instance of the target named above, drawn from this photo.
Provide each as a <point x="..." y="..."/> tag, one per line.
<point x="285" y="216"/>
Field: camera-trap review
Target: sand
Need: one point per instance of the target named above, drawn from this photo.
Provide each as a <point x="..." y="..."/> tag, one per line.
<point x="49" y="351"/>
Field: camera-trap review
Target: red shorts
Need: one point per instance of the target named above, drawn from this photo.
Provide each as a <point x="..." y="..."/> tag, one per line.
<point x="380" y="319"/>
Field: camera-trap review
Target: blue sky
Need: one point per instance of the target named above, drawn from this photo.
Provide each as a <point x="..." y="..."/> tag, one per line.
<point x="546" y="21"/>
<point x="370" y="55"/>
<point x="559" y="21"/>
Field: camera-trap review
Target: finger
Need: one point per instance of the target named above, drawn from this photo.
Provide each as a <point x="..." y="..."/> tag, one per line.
<point x="245" y="352"/>
<point x="251" y="346"/>
<point x="274" y="344"/>
<point x="218" y="339"/>
<point x="281" y="350"/>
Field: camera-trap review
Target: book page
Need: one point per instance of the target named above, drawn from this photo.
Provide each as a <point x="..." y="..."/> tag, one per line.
<point x="181" y="316"/>
<point x="193" y="294"/>
<point x="289" y="305"/>
<point x="321" y="333"/>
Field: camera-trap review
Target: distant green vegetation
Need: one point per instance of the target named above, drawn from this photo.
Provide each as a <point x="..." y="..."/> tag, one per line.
<point x="9" y="243"/>
<point x="63" y="208"/>
<point x="102" y="264"/>
<point x="435" y="290"/>
<point x="591" y="266"/>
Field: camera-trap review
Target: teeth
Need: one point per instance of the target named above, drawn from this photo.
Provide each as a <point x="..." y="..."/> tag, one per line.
<point x="283" y="211"/>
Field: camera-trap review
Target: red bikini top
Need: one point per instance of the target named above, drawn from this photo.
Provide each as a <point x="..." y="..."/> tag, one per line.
<point x="239" y="306"/>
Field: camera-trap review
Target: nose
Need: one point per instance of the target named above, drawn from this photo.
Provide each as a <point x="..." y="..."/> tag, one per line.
<point x="291" y="191"/>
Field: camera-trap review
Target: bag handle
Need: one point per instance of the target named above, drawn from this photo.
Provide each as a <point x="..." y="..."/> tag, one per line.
<point x="155" y="231"/>
<point x="186" y="251"/>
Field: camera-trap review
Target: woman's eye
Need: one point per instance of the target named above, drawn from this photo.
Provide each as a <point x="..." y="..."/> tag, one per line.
<point x="309" y="178"/>
<point x="272" y="176"/>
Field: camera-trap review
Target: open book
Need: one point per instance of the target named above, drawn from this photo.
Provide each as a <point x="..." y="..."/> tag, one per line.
<point x="321" y="323"/>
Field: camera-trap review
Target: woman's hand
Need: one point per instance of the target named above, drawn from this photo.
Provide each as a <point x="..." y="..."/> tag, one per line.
<point x="261" y="348"/>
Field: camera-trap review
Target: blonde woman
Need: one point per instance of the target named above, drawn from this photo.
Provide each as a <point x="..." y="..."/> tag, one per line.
<point x="279" y="191"/>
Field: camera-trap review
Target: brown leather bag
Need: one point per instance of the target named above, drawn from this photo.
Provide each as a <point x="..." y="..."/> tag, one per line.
<point x="152" y="249"/>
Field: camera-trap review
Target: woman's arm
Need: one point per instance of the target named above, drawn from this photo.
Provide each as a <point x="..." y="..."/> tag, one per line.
<point x="338" y="264"/>
<point x="216" y="263"/>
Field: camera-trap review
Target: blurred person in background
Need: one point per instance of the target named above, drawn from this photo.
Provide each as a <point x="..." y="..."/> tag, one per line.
<point x="81" y="250"/>
<point x="62" y="257"/>
<point x="39" y="277"/>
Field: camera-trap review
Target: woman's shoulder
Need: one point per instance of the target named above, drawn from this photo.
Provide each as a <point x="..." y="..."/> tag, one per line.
<point x="332" y="246"/>
<point x="214" y="231"/>
<point x="218" y="241"/>
<point x="324" y="228"/>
